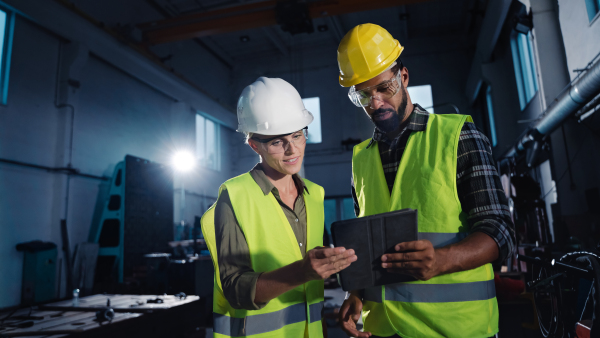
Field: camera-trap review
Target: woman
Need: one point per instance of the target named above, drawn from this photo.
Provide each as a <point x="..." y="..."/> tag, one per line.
<point x="265" y="232"/>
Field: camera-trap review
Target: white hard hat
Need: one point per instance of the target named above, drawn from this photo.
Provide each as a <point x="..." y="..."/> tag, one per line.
<point x="271" y="106"/>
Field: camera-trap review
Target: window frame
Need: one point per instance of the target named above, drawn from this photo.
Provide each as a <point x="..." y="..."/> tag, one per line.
<point x="524" y="65"/>
<point x="9" y="31"/>
<point x="491" y="119"/>
<point x="216" y="166"/>
<point x="592" y="4"/>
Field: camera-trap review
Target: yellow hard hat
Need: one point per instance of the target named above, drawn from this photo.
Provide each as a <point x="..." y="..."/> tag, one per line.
<point x="365" y="52"/>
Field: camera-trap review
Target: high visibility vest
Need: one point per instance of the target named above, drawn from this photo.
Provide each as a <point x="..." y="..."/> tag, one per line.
<point x="272" y="244"/>
<point x="461" y="304"/>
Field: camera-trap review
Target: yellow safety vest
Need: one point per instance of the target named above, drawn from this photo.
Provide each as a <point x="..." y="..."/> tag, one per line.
<point x="461" y="304"/>
<point x="272" y="244"/>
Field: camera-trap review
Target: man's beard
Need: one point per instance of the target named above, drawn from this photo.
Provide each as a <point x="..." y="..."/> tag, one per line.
<point x="393" y="122"/>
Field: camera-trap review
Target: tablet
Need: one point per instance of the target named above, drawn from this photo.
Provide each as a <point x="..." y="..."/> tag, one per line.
<point x="371" y="237"/>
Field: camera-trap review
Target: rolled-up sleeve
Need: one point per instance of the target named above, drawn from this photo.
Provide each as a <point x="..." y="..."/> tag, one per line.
<point x="480" y="191"/>
<point x="238" y="279"/>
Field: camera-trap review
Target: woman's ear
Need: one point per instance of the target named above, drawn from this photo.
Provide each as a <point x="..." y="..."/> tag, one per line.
<point x="253" y="145"/>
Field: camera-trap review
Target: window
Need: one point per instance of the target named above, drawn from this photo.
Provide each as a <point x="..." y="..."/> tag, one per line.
<point x="490" y="111"/>
<point x="7" y="25"/>
<point x="313" y="105"/>
<point x="593" y="7"/>
<point x="421" y="95"/>
<point x="338" y="209"/>
<point x="208" y="145"/>
<point x="523" y="60"/>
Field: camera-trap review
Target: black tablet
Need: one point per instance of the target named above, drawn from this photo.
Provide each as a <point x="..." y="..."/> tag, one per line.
<point x="371" y="237"/>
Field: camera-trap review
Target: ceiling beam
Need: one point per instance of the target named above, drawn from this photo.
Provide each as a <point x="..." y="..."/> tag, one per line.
<point x="165" y="8"/>
<point x="248" y="16"/>
<point x="208" y="15"/>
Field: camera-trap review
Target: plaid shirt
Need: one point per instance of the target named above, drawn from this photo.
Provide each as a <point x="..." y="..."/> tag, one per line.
<point x="478" y="184"/>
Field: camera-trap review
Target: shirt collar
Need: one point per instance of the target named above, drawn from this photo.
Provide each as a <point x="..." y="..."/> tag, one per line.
<point x="266" y="185"/>
<point x="417" y="121"/>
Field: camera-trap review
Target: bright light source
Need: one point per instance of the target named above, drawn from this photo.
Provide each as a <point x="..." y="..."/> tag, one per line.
<point x="183" y="161"/>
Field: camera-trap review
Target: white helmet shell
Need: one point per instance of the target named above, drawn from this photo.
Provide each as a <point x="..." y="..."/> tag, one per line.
<point x="271" y="106"/>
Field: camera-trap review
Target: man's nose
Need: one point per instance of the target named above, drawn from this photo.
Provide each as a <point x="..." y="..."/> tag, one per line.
<point x="375" y="102"/>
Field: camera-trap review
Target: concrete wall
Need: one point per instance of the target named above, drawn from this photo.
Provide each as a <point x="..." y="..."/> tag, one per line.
<point x="582" y="44"/>
<point x="581" y="38"/>
<point x="114" y="115"/>
<point x="184" y="57"/>
<point x="28" y="132"/>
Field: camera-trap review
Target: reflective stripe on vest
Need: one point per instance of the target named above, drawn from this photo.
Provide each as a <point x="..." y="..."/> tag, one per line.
<point x="430" y="293"/>
<point x="267" y="322"/>
<point x="434" y="293"/>
<point x="441" y="239"/>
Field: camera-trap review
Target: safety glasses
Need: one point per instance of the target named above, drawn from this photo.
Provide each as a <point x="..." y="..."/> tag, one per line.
<point x="279" y="144"/>
<point x="382" y="91"/>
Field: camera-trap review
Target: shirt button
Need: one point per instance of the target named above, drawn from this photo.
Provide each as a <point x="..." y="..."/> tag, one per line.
<point x="296" y="220"/>
<point x="300" y="244"/>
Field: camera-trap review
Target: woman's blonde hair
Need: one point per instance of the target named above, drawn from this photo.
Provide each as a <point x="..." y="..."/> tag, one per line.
<point x="248" y="136"/>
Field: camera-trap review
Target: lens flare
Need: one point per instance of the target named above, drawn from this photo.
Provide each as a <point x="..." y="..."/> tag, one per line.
<point x="183" y="161"/>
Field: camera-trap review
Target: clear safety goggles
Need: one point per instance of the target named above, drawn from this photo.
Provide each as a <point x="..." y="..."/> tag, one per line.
<point x="383" y="91"/>
<point x="279" y="144"/>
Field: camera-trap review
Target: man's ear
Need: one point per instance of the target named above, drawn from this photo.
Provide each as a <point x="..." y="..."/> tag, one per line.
<point x="404" y="76"/>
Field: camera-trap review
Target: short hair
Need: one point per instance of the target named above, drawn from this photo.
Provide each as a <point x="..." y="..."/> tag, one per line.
<point x="397" y="67"/>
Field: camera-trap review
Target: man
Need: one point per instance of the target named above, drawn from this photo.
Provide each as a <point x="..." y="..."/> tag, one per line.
<point x="265" y="232"/>
<point x="442" y="166"/>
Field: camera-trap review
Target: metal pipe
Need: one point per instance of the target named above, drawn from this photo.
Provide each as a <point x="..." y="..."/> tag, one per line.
<point x="577" y="93"/>
<point x="588" y="109"/>
<point x="580" y="92"/>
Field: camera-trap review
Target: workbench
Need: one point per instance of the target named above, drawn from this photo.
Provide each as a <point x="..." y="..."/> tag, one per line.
<point x="134" y="316"/>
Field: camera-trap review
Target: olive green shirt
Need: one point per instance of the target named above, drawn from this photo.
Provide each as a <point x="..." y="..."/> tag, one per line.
<point x="237" y="276"/>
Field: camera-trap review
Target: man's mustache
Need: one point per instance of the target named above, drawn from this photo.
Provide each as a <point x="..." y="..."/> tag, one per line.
<point x="382" y="111"/>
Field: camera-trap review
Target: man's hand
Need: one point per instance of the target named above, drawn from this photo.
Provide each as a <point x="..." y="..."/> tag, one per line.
<point x="417" y="259"/>
<point x="350" y="314"/>
<point x="320" y="263"/>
